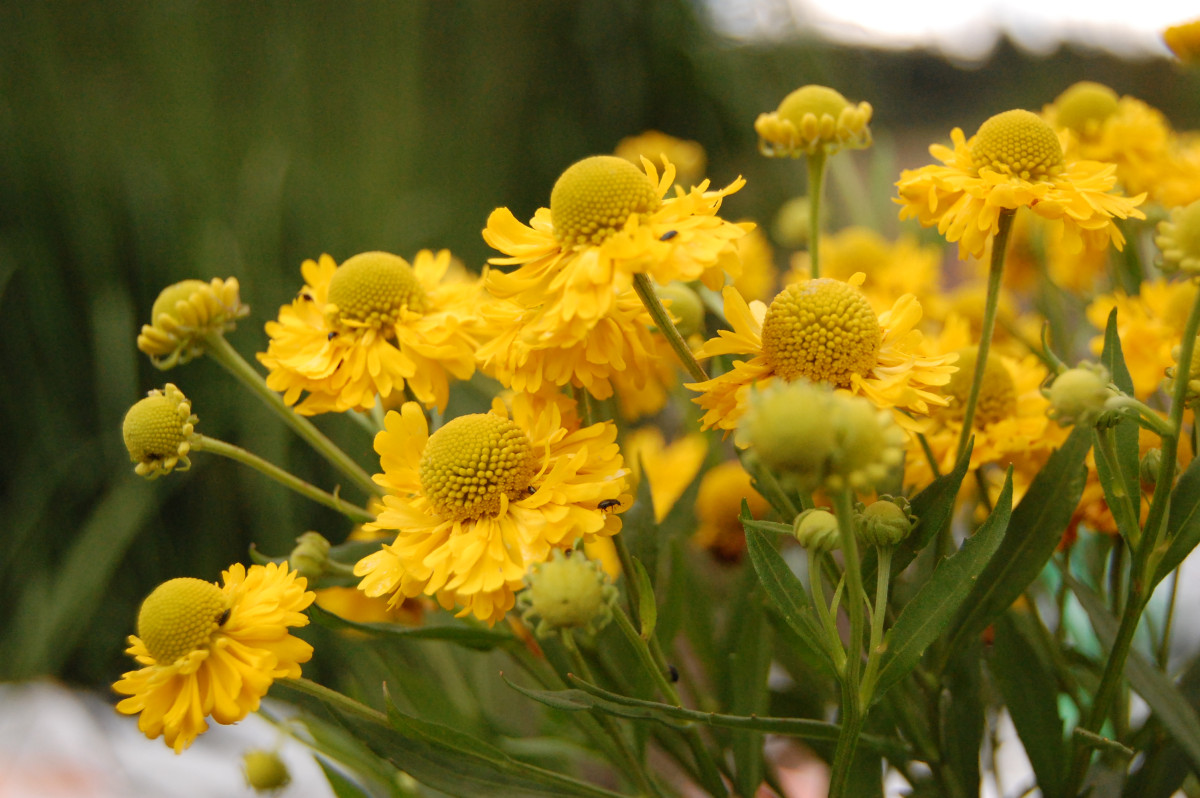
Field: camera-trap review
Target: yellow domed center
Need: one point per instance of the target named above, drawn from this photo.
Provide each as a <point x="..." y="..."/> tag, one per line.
<point x="374" y="289"/>
<point x="1084" y="106"/>
<point x="594" y="198"/>
<point x="472" y="461"/>
<point x="153" y="429"/>
<point x="816" y="100"/>
<point x="823" y="330"/>
<point x="172" y="295"/>
<point x="179" y="617"/>
<point x="1018" y="143"/>
<point x="997" y="394"/>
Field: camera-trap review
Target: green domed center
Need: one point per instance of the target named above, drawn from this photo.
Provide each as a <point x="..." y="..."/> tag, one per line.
<point x="472" y="461"/>
<point x="823" y="330"/>
<point x="153" y="429"/>
<point x="179" y="617"/>
<point x="594" y="198"/>
<point x="374" y="288"/>
<point x="817" y="100"/>
<point x="997" y="393"/>
<point x="1084" y="106"/>
<point x="1018" y="143"/>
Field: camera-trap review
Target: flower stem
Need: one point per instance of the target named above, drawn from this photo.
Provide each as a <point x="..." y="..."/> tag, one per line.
<point x="853" y="714"/>
<point x="995" y="272"/>
<point x="816" y="186"/>
<point x="229" y="359"/>
<point x="817" y="585"/>
<point x="1105" y="442"/>
<point x="662" y="319"/>
<point x="883" y="574"/>
<point x="285" y="478"/>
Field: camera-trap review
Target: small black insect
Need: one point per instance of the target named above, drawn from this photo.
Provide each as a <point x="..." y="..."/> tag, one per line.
<point x="609" y="504"/>
<point x="223" y="617"/>
<point x="307" y="297"/>
<point x="532" y="489"/>
<point x="673" y="672"/>
<point x="667" y="236"/>
<point x="331" y="336"/>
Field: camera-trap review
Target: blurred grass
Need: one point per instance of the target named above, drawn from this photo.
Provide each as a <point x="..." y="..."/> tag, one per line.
<point x="146" y="143"/>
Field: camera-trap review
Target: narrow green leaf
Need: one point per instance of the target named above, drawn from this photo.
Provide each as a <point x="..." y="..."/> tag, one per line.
<point x="1028" y="688"/>
<point x="1034" y="533"/>
<point x="640" y="530"/>
<point x="647" y="606"/>
<point x="342" y="786"/>
<point x="589" y="696"/>
<point x="749" y="643"/>
<point x="1168" y="704"/>
<point x="785" y="591"/>
<point x="472" y="637"/>
<point x="1183" y="524"/>
<point x="930" y="612"/>
<point x="961" y="716"/>
<point x="1128" y="452"/>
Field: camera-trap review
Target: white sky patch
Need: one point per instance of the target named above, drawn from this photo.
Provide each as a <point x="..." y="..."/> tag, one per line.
<point x="962" y="29"/>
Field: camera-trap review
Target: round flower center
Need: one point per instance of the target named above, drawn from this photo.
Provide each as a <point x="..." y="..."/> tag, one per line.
<point x="153" y="429"/>
<point x="179" y="617"/>
<point x="374" y="289"/>
<point x="1084" y="106"/>
<point x="823" y="330"/>
<point x="816" y="100"/>
<point x="594" y="198"/>
<point x="472" y="461"/>
<point x="173" y="294"/>
<point x="997" y="394"/>
<point x="1018" y="143"/>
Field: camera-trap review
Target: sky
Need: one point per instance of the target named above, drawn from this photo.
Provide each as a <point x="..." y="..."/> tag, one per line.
<point x="961" y="29"/>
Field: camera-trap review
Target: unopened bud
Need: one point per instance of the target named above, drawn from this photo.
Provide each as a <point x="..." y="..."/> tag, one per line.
<point x="885" y="522"/>
<point x="1077" y="396"/>
<point x="265" y="771"/>
<point x="816" y="530"/>
<point x="310" y="558"/>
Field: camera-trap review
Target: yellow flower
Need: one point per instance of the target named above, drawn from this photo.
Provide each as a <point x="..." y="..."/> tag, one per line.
<point x="759" y="277"/>
<point x="823" y="330"/>
<point x="1011" y="425"/>
<point x="813" y="119"/>
<point x="719" y="509"/>
<point x="669" y="467"/>
<point x="903" y="266"/>
<point x="1150" y="324"/>
<point x="1184" y="41"/>
<point x="1179" y="183"/>
<point x="607" y="221"/>
<point x="212" y="651"/>
<point x="159" y="432"/>
<point x="485" y="497"/>
<point x="1031" y="252"/>
<point x="653" y="145"/>
<point x="354" y="605"/>
<point x="1014" y="161"/>
<point x="373" y="326"/>
<point x="184" y="314"/>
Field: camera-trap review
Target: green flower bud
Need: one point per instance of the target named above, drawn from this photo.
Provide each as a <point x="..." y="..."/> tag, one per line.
<point x="310" y="557"/>
<point x="1077" y="396"/>
<point x="265" y="771"/>
<point x="685" y="307"/>
<point x="816" y="530"/>
<point x="1150" y="466"/>
<point x="567" y="591"/>
<point x="885" y="522"/>
<point x="1179" y="240"/>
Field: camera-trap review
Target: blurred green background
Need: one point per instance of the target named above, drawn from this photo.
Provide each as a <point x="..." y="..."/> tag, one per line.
<point x="145" y="143"/>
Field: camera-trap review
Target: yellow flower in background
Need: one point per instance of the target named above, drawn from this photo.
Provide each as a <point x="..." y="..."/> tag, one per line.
<point x="896" y="268"/>
<point x="372" y="326"/>
<point x="1015" y="160"/>
<point x="688" y="156"/>
<point x="210" y="650"/>
<point x="607" y="221"/>
<point x="823" y="330"/>
<point x="670" y="468"/>
<point x="1032" y="253"/>
<point x="1011" y="426"/>
<point x="759" y="278"/>
<point x="186" y="312"/>
<point x="479" y="501"/>
<point x="811" y="120"/>
<point x="719" y="510"/>
<point x="1184" y="41"/>
<point x="1179" y="183"/>
<point x="1150" y="324"/>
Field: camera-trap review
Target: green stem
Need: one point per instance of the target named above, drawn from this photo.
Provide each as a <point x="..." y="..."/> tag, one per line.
<point x="283" y="477"/>
<point x="995" y="272"/>
<point x="1105" y="442"/>
<point x="662" y="319"/>
<point x="883" y="575"/>
<point x="833" y="640"/>
<point x="229" y="359"/>
<point x="1164" y="644"/>
<point x="628" y="761"/>
<point x="852" y="708"/>
<point x="816" y="186"/>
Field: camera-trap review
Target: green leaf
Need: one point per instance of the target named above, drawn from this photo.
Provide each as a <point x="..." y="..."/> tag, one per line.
<point x="1034" y="533"/>
<point x="749" y="660"/>
<point x="785" y="591"/>
<point x="930" y="612"/>
<point x="1128" y="451"/>
<point x="961" y="716"/>
<point x="640" y="530"/>
<point x="342" y="786"/>
<point x="647" y="607"/>
<point x="1183" y="523"/>
<point x="1028" y="688"/>
<point x="589" y="696"/>
<point x="1168" y="704"/>
<point x="472" y="637"/>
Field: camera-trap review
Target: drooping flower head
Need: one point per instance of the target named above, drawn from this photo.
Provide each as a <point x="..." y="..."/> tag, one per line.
<point x="813" y="119"/>
<point x="607" y="221"/>
<point x="372" y="326"/>
<point x="479" y="501"/>
<point x="159" y="432"/>
<point x="186" y="312"/>
<point x="1015" y="160"/>
<point x="210" y="650"/>
<point x="823" y="330"/>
